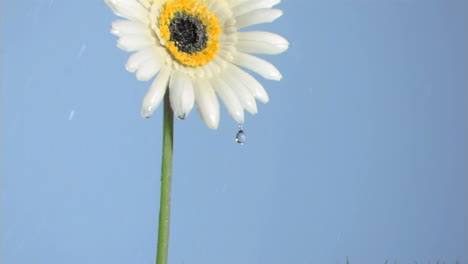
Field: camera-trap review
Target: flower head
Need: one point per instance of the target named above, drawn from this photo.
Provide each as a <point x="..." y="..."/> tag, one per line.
<point x="195" y="49"/>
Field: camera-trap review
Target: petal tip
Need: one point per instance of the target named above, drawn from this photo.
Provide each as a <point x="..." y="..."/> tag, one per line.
<point x="130" y="68"/>
<point x="212" y="126"/>
<point x="275" y="76"/>
<point x="147" y="112"/>
<point x="211" y="121"/>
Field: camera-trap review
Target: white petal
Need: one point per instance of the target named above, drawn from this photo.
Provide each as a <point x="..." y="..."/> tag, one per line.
<point x="250" y="82"/>
<point x="205" y="71"/>
<point x="233" y="3"/>
<point x="220" y="63"/>
<point x="258" y="16"/>
<point x="199" y="72"/>
<point x="261" y="42"/>
<point x="149" y="68"/>
<point x="137" y="58"/>
<point x="245" y="97"/>
<point x="252" y="5"/>
<point x="207" y="103"/>
<point x="260" y="66"/>
<point x="155" y="93"/>
<point x="134" y="42"/>
<point x="227" y="39"/>
<point x="145" y="3"/>
<point x="127" y="27"/>
<point x="230" y="100"/>
<point x="213" y="67"/>
<point x="181" y="94"/>
<point x="226" y="56"/>
<point x="130" y="9"/>
<point x="219" y="8"/>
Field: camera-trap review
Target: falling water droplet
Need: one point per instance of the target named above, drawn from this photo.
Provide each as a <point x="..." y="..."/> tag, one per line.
<point x="240" y="136"/>
<point x="181" y="116"/>
<point x="82" y="50"/>
<point x="71" y="115"/>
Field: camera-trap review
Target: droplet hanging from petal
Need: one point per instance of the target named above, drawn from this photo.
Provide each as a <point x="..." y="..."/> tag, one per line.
<point x="181" y="116"/>
<point x="240" y="136"/>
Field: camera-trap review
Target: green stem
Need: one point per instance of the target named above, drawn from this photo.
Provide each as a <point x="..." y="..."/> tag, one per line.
<point x="166" y="176"/>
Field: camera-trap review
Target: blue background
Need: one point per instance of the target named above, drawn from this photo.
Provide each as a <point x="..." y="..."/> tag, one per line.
<point x="362" y="150"/>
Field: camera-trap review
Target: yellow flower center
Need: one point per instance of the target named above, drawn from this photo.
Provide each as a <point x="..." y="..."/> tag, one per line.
<point x="190" y="31"/>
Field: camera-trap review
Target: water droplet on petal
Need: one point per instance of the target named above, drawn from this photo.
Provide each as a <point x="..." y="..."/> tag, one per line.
<point x="147" y="112"/>
<point x="181" y="117"/>
<point x="240" y="137"/>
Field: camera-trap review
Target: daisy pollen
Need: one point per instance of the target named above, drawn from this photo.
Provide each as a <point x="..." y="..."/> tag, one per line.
<point x="195" y="50"/>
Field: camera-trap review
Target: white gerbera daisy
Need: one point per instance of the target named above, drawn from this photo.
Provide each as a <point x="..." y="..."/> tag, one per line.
<point x="195" y="49"/>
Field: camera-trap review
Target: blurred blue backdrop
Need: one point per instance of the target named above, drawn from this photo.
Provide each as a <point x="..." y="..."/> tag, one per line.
<point x="362" y="150"/>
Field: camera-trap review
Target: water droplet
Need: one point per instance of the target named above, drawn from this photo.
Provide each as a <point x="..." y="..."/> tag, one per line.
<point x="72" y="114"/>
<point x="181" y="116"/>
<point x="146" y="112"/>
<point x="82" y="51"/>
<point x="240" y="137"/>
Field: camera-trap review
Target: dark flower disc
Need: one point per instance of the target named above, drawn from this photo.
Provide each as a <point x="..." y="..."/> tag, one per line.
<point x="188" y="33"/>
